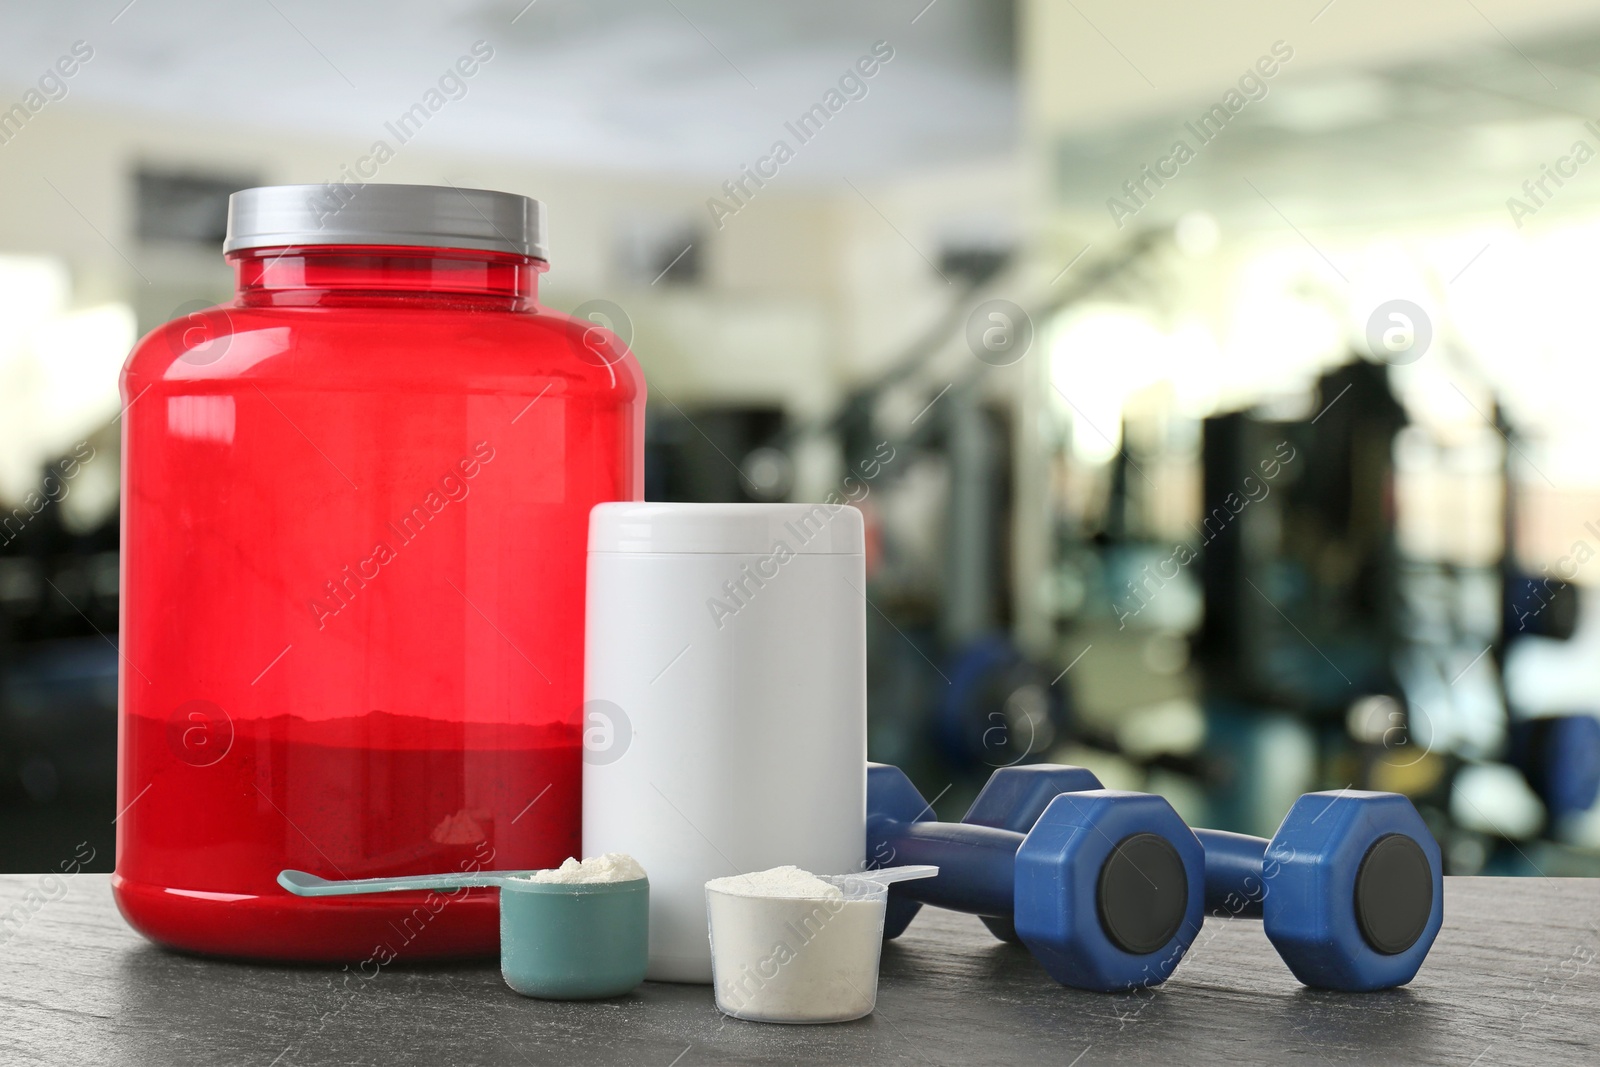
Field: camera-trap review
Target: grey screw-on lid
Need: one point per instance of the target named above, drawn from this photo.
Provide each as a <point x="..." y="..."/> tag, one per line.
<point x="429" y="216"/>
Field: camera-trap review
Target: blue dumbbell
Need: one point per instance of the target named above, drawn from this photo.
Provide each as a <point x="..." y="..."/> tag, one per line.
<point x="1105" y="888"/>
<point x="1349" y="889"/>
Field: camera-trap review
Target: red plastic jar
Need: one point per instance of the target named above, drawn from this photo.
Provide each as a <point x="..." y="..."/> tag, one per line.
<point x="355" y="505"/>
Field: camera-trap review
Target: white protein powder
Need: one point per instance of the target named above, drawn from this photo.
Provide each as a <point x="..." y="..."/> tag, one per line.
<point x="788" y="947"/>
<point x="777" y="882"/>
<point x="612" y="867"/>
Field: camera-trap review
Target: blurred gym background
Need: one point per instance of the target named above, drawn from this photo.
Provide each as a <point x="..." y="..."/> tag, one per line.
<point x="1217" y="379"/>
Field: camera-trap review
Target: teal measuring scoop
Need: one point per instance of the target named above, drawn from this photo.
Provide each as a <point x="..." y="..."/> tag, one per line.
<point x="558" y="940"/>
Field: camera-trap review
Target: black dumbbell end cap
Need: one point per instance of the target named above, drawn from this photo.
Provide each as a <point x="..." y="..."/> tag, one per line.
<point x="1143" y="893"/>
<point x="1394" y="894"/>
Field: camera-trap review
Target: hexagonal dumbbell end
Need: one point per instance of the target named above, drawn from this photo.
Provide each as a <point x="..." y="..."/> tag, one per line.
<point x="892" y="801"/>
<point x="1013" y="799"/>
<point x="1350" y="889"/>
<point x="1109" y="889"/>
<point x="1355" y="893"/>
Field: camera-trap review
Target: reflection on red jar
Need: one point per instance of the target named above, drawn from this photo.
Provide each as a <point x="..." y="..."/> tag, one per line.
<point x="355" y="507"/>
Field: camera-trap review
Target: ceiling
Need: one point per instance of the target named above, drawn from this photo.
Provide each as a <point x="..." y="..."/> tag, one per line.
<point x="1451" y="135"/>
<point x="661" y="86"/>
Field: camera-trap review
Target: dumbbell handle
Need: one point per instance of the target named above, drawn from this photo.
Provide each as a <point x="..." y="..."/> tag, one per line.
<point x="1234" y="873"/>
<point x="977" y="864"/>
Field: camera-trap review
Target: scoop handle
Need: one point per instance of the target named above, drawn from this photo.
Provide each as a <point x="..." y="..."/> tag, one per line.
<point x="302" y="884"/>
<point x="890" y="875"/>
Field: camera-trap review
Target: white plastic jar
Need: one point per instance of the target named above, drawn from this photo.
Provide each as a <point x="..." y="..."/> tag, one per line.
<point x="725" y="701"/>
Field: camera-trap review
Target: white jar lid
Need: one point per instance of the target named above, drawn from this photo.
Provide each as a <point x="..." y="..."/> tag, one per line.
<point x="740" y="529"/>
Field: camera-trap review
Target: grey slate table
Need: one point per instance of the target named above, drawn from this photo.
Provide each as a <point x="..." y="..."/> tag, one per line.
<point x="1513" y="979"/>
